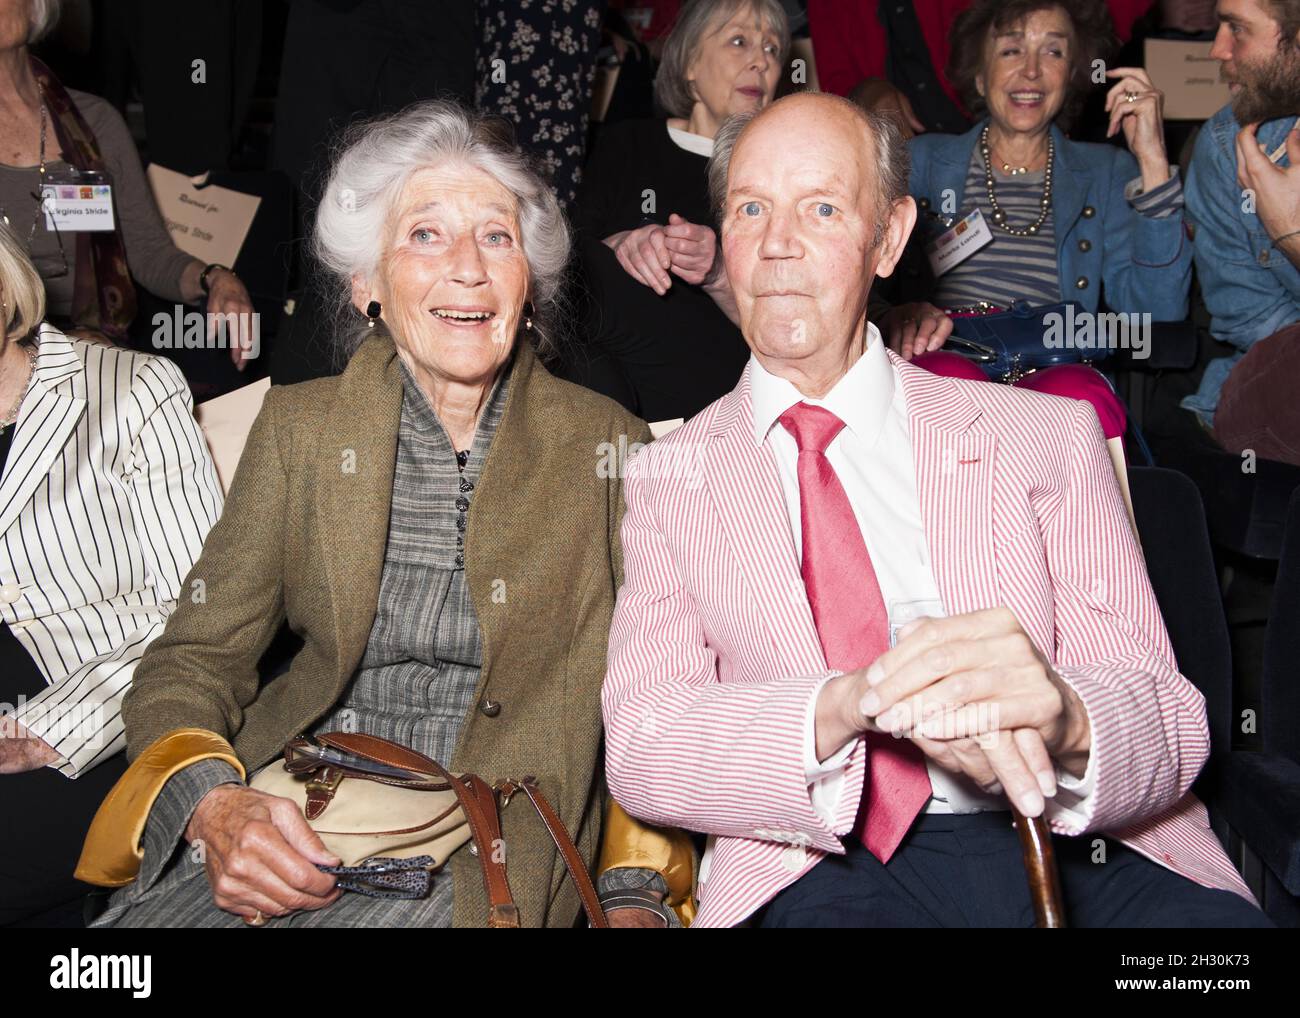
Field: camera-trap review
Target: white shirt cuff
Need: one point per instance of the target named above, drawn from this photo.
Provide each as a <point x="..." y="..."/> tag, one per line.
<point x="1082" y="787"/>
<point x="825" y="777"/>
<point x="1075" y="797"/>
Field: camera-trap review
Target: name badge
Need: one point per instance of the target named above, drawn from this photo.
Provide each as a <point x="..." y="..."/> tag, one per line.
<point x="954" y="246"/>
<point x="78" y="201"/>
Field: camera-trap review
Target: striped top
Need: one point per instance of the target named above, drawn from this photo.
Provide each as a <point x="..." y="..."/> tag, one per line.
<point x="107" y="494"/>
<point x="1024" y="268"/>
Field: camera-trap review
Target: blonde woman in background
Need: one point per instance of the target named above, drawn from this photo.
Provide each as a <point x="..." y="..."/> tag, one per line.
<point x="107" y="492"/>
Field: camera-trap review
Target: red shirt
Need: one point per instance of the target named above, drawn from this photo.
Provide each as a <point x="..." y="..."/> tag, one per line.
<point x="849" y="43"/>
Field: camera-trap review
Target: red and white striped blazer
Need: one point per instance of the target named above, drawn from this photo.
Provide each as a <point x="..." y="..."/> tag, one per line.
<point x="714" y="657"/>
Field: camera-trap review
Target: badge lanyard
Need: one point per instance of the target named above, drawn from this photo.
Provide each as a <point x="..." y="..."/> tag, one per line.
<point x="40" y="170"/>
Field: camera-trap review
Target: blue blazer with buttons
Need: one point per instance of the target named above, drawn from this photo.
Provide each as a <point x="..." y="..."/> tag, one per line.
<point x="1102" y="242"/>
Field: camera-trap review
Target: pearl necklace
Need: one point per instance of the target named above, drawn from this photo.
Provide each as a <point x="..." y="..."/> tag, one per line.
<point x="999" y="214"/>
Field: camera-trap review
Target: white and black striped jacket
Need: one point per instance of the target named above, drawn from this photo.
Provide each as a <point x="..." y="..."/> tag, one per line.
<point x="105" y="500"/>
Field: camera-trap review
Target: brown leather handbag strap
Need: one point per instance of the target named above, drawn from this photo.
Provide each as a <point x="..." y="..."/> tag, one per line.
<point x="481" y="811"/>
<point x="568" y="851"/>
<point x="477" y="801"/>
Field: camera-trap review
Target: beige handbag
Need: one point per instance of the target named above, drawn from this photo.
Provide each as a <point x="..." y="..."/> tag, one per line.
<point x="360" y="821"/>
<point x="369" y="799"/>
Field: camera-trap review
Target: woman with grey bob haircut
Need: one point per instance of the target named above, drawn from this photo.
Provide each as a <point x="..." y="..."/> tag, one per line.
<point x="675" y="86"/>
<point x="434" y="524"/>
<point x="664" y="342"/>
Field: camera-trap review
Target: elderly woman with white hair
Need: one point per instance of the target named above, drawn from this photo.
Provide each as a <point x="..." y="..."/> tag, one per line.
<point x="439" y="524"/>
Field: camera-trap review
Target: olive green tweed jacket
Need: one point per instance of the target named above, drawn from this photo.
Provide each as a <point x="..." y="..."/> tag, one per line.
<point x="302" y="538"/>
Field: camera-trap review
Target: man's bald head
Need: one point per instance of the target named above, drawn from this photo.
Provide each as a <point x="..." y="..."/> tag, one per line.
<point x="813" y="206"/>
<point x="870" y="136"/>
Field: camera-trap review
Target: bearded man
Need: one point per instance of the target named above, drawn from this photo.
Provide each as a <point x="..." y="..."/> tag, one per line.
<point x="1243" y="202"/>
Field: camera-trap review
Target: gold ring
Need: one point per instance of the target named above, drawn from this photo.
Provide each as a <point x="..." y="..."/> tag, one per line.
<point x="257" y="920"/>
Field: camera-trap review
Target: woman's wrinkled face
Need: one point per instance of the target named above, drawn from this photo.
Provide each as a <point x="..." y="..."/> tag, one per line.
<point x="454" y="280"/>
<point x="1027" y="70"/>
<point x="736" y="65"/>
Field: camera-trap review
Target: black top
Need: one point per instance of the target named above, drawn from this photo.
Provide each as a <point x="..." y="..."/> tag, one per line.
<point x="630" y="158"/>
<point x="19" y="675"/>
<point x="911" y="69"/>
<point x="661" y="357"/>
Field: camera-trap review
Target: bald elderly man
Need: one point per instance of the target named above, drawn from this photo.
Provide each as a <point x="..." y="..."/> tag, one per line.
<point x="866" y="608"/>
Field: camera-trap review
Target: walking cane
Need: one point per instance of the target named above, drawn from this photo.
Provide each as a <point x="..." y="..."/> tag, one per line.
<point x="1040" y="869"/>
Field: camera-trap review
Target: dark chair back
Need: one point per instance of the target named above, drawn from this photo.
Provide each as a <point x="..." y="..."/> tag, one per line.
<point x="1176" y="543"/>
<point x="1279" y="721"/>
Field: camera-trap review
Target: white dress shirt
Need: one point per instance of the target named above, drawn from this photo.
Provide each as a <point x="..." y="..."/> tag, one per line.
<point x="872" y="457"/>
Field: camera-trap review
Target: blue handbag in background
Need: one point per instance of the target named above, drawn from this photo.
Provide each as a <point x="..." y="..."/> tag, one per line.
<point x="1009" y="343"/>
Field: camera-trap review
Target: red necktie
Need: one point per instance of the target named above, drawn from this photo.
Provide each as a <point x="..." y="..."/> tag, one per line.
<point x="852" y="623"/>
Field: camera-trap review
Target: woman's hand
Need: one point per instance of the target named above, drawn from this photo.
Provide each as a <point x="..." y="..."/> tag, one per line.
<point x="691" y="247"/>
<point x="643" y="253"/>
<point x="912" y="329"/>
<point x="1142" y="121"/>
<point x="260" y="853"/>
<point x="227" y="296"/>
<point x="20" y="750"/>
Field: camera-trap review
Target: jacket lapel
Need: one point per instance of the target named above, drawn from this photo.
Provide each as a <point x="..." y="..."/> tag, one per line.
<point x="955" y="471"/>
<point x="354" y="477"/>
<point x="951" y="162"/>
<point x="50" y="411"/>
<point x="517" y="455"/>
<point x="746" y="490"/>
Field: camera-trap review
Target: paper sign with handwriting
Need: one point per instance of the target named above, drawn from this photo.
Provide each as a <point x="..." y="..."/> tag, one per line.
<point x="208" y="222"/>
<point x="1192" y="80"/>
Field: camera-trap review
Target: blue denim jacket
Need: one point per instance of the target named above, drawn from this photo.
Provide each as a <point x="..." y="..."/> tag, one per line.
<point x="1250" y="289"/>
<point x="1144" y="264"/>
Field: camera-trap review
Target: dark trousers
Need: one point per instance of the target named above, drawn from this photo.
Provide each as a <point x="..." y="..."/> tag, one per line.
<point x="966" y="871"/>
<point x="45" y="817"/>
